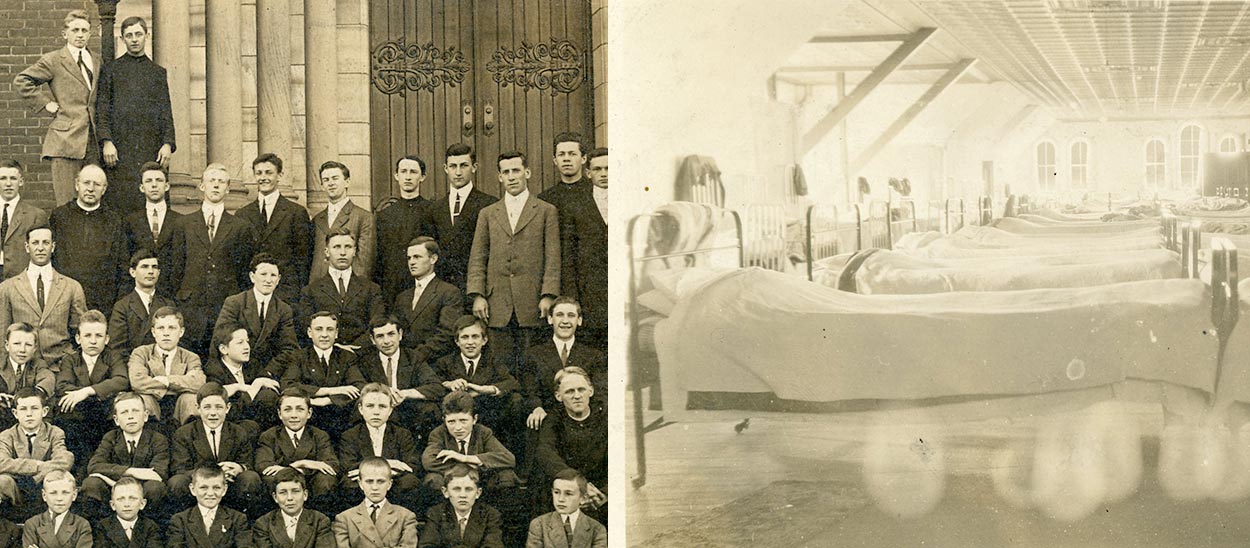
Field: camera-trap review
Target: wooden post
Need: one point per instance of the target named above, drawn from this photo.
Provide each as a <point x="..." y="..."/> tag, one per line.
<point x="108" y="19"/>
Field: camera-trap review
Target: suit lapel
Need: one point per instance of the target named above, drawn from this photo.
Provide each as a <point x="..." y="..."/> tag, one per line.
<point x="47" y="527"/>
<point x="23" y="287"/>
<point x="474" y="530"/>
<point x="54" y="292"/>
<point x="17" y="222"/>
<point x="344" y="216"/>
<point x="136" y="308"/>
<point x="71" y="66"/>
<point x="367" y="527"/>
<point x="214" y="535"/>
<point x="528" y="211"/>
<point x="251" y="313"/>
<point x="427" y="296"/>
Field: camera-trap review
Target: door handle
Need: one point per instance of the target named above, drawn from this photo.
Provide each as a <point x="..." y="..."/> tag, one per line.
<point x="488" y="118"/>
<point x="466" y="117"/>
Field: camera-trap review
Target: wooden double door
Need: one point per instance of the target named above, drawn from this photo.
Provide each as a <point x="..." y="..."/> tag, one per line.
<point x="497" y="75"/>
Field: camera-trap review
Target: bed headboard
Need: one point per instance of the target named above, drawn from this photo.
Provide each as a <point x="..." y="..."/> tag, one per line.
<point x="699" y="181"/>
<point x="764" y="236"/>
<point x="829" y="233"/>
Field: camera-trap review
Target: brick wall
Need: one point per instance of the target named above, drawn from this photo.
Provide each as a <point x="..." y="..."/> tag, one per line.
<point x="28" y="29"/>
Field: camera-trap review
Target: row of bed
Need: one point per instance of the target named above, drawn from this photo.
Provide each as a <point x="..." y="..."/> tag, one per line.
<point x="741" y="314"/>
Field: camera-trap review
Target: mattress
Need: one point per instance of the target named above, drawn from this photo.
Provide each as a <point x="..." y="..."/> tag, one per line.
<point x="1083" y="228"/>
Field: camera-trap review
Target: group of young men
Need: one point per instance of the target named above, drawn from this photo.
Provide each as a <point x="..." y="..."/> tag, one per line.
<point x="184" y="368"/>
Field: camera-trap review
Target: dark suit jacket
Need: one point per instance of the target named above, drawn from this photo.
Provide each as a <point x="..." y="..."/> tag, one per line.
<point x="455" y="242"/>
<point x="358" y="221"/>
<point x="398" y="222"/>
<point x="513" y="270"/>
<point x="486" y="372"/>
<point x="301" y="368"/>
<point x="92" y="249"/>
<point x="229" y="530"/>
<point x="191" y="449"/>
<point x="274" y="447"/>
<point x="67" y="135"/>
<point x="430" y="327"/>
<point x="109" y="534"/>
<point x="397" y="443"/>
<point x="107" y="378"/>
<point x="112" y="457"/>
<point x="312" y="531"/>
<point x="22" y="218"/>
<point x="139" y="234"/>
<point x="542" y="362"/>
<point x="410" y="373"/>
<point x="10" y="534"/>
<point x="288" y="236"/>
<point x="275" y="336"/>
<point x="482" y="443"/>
<point x="35" y="373"/>
<point x="355" y="310"/>
<point x="584" y="253"/>
<point x="40" y="531"/>
<point x="130" y="325"/>
<point x="547" y="530"/>
<point x="484" y="529"/>
<point x="206" y="272"/>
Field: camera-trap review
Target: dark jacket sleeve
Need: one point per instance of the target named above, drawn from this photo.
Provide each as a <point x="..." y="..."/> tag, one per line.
<point x="325" y="449"/>
<point x="160" y="455"/>
<point x="104" y="105"/>
<point x="165" y="117"/>
<point x="117" y="379"/>
<point x="101" y="460"/>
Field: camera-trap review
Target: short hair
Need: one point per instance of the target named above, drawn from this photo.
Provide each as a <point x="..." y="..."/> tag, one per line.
<point x="167" y="311"/>
<point x="223" y="337"/>
<point x="123" y="396"/>
<point x="324" y="314"/>
<point x="92" y="316"/>
<point x="76" y="14"/>
<point x="134" y="20"/>
<point x="601" y="151"/>
<point x="347" y="173"/>
<point x="373" y="388"/>
<point x="208" y="472"/>
<point x="19" y="327"/>
<point x="461" y="470"/>
<point x="215" y="166"/>
<point x="431" y="245"/>
<point x="513" y="154"/>
<point x="287" y="475"/>
<point x="414" y="158"/>
<point x="11" y="163"/>
<point x="569" y="137"/>
<point x="457" y="402"/>
<point x="264" y="258"/>
<point x="152" y="166"/>
<point x="141" y="255"/>
<point x="59" y="475"/>
<point x="340" y="231"/>
<point x="40" y="227"/>
<point x="571" y="474"/>
<point x="565" y="299"/>
<point x="268" y="158"/>
<point x="30" y="392"/>
<point x="466" y="321"/>
<point x="382" y="321"/>
<point x="294" y="392"/>
<point x="374" y="462"/>
<point x="460" y="149"/>
<point x="208" y="390"/>
<point x="90" y="167"/>
<point x="571" y="370"/>
<point x="129" y="481"/>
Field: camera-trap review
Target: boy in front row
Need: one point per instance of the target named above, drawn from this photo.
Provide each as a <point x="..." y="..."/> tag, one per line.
<point x="208" y="524"/>
<point x="126" y="528"/>
<point x="130" y="450"/>
<point x="461" y="522"/>
<point x="567" y="526"/>
<point x="56" y="527"/>
<point x="30" y="450"/>
<point x="375" y="522"/>
<point x="292" y="525"/>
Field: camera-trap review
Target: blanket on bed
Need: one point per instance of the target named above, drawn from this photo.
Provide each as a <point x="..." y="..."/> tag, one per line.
<point x="1020" y="225"/>
<point x="757" y="331"/>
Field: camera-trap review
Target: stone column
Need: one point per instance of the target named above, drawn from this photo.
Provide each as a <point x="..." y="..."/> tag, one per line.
<point x="321" y="77"/>
<point x="224" y="86"/>
<point x="108" y="18"/>
<point x="273" y="78"/>
<point x="171" y="48"/>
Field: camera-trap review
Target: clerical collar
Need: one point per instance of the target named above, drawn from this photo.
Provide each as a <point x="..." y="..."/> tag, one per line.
<point x="85" y="208"/>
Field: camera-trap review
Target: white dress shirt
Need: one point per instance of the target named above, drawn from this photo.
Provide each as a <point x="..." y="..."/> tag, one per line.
<point x="207" y="514"/>
<point x="129" y="526"/>
<point x="419" y="286"/>
<point x="345" y="275"/>
<point x="515" y="205"/>
<point x="145" y="298"/>
<point x="453" y="193"/>
<point x="262" y="301"/>
<point x="34" y="272"/>
<point x="333" y="210"/>
<point x="376" y="435"/>
<point x="390" y="364"/>
<point x="267" y="203"/>
<point x="76" y="54"/>
<point x="215" y="211"/>
<point x="601" y="200"/>
<point x="291" y="522"/>
<point x="158" y="210"/>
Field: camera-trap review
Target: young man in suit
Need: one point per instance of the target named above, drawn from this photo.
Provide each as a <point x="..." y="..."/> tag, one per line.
<point x="214" y="441"/>
<point x="569" y="156"/>
<point x="341" y="214"/>
<point x="85" y="383"/>
<point x="472" y="371"/>
<point x="460" y="439"/>
<point x="398" y="222"/>
<point x="354" y="299"/>
<point x="516" y="254"/>
<point x="43" y="298"/>
<point x="130" y="450"/>
<point x="57" y="527"/>
<point x="567" y="526"/>
<point x="584" y="250"/>
<point x="292" y="525"/>
<point x="452" y="220"/>
<point x="297" y="445"/>
<point x="165" y="374"/>
<point x="208" y="524"/>
<point x="462" y="521"/>
<point x="269" y="321"/>
<point x="376" y="436"/>
<point x="209" y="259"/>
<point x="151" y="227"/>
<point x="130" y="324"/>
<point x="62" y="83"/>
<point x="428" y="310"/>
<point x="412" y="385"/>
<point x="283" y="228"/>
<point x="375" y="522"/>
<point x="126" y="528"/>
<point x="565" y="349"/>
<point x="251" y="391"/>
<point x="94" y="249"/>
<point x="16" y="217"/>
<point x="327" y="373"/>
<point x="576" y="437"/>
<point x="30" y="450"/>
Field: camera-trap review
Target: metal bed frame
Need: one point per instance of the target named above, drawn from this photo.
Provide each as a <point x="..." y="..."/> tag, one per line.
<point x="764" y="236"/>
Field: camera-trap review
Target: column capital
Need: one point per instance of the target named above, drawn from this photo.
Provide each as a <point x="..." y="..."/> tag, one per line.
<point x="107" y="7"/>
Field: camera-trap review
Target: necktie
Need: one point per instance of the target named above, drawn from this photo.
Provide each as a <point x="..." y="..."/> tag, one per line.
<point x="156" y="225"/>
<point x="342" y="285"/>
<point x="39" y="290"/>
<point x="416" y="294"/>
<point x="471" y="369"/>
<point x="325" y="362"/>
<point x="455" y="212"/>
<point x="263" y="217"/>
<point x="390" y="371"/>
<point x="213" y="434"/>
<point x="56" y="527"/>
<point x="464" y="447"/>
<point x="295" y="440"/>
<point x="4" y="223"/>
<point x="568" y="530"/>
<point x="86" y="72"/>
<point x="129" y="532"/>
<point x="212" y="226"/>
<point x="464" y="522"/>
<point x="262" y="311"/>
<point x="564" y="354"/>
<point x="373" y="514"/>
<point x="30" y="443"/>
<point x="132" y="444"/>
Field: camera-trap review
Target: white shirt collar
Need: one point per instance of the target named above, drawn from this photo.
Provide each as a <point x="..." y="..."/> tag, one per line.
<point x="291" y="521"/>
<point x="345" y="274"/>
<point x="462" y="192"/>
<point x="290" y="433"/>
<point x="12" y="204"/>
<point x="58" y="519"/>
<point x="75" y="52"/>
<point x="460" y="517"/>
<point x="561" y="342"/>
<point x="215" y="209"/>
<point x="208" y="429"/>
<point x="13" y="365"/>
<point x="323" y="354"/>
<point x="128" y="523"/>
<point x="573" y="518"/>
<point x="425" y="280"/>
<point x="89" y="361"/>
<point x="260" y="298"/>
<point x="369" y="504"/>
<point x="135" y="438"/>
<point x="378" y="432"/>
<point x="45" y="272"/>
<point x="207" y="514"/>
<point x="236" y="372"/>
<point x="159" y="207"/>
<point x="517" y="200"/>
<point x="270" y="201"/>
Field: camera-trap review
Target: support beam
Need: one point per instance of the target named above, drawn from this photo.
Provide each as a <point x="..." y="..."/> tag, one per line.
<point x="844" y="150"/>
<point x="864" y="38"/>
<point x="108" y="19"/>
<point x="858" y="68"/>
<point x="911" y="113"/>
<point x="844" y="107"/>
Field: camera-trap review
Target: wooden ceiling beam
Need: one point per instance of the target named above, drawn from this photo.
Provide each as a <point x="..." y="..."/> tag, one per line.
<point x="864" y="38"/>
<point x="858" y="68"/>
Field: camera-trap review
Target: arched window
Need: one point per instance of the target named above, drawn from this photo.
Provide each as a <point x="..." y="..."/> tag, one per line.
<point x="1156" y="163"/>
<point x="1080" y="164"/>
<point x="1191" y="152"/>
<point x="1228" y="144"/>
<point x="1046" y="165"/>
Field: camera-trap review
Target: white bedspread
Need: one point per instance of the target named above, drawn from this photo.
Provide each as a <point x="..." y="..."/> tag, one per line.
<point x="757" y="331"/>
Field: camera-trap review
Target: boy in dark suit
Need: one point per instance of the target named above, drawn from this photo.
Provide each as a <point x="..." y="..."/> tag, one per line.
<point x="296" y="444"/>
<point x="283" y="227"/>
<point x="251" y="391"/>
<point x="57" y="527"/>
<point x="428" y="310"/>
<point x="452" y="220"/>
<point x="150" y="228"/>
<point x="474" y="372"/>
<point x="130" y="450"/>
<point x="269" y="321"/>
<point x="126" y="528"/>
<point x="354" y="299"/>
<point x="461" y="521"/>
<point x="414" y="387"/>
<point x="130" y="324"/>
<point x="207" y="524"/>
<point x="377" y="437"/>
<point x="567" y="526"/>
<point x="87" y="380"/>
<point x="292" y="525"/>
<point x="462" y="440"/>
<point x="375" y="522"/>
<point x="327" y="373"/>
<point x="30" y="450"/>
<point x="214" y="441"/>
<point x="22" y="368"/>
<point x="543" y="361"/>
